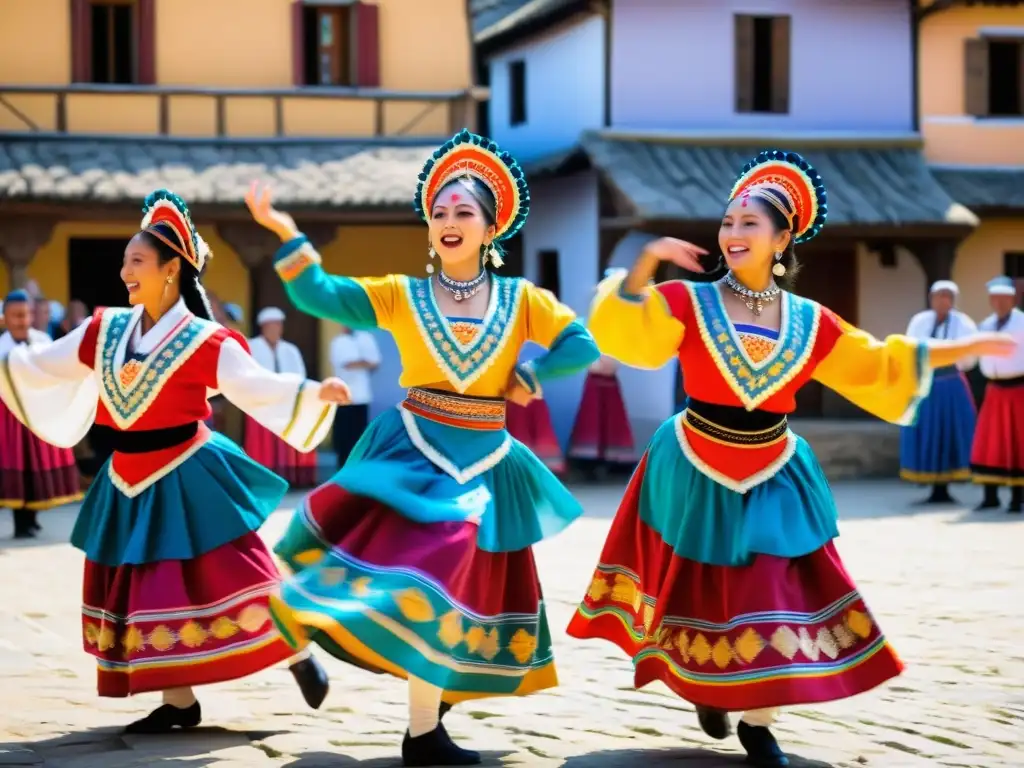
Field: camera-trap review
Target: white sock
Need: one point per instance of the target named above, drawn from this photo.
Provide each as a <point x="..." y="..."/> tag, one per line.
<point x="761" y="717"/>
<point x="424" y="700"/>
<point x="300" y="656"/>
<point x="182" y="698"/>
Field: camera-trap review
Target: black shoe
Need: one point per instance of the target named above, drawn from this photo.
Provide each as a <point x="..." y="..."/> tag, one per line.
<point x="1015" y="509"/>
<point x="763" y="750"/>
<point x="436" y="748"/>
<point x="991" y="499"/>
<point x="166" y="718"/>
<point x="312" y="680"/>
<point x="940" y="495"/>
<point x="714" y="722"/>
<point x="24" y="533"/>
<point x="443" y="710"/>
<point x="986" y="505"/>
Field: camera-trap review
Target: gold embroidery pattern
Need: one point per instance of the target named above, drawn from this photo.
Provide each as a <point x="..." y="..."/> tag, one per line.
<point x="253" y="619"/>
<point x="293" y="265"/>
<point x="470" y="412"/>
<point x="754" y="382"/>
<point x="757" y="347"/>
<point x="464" y="331"/>
<point x="129" y="371"/>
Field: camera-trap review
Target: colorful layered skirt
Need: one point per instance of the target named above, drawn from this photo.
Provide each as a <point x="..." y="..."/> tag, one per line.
<point x="531" y="425"/>
<point x="997" y="457"/>
<point x="415" y="558"/>
<point x="602" y="431"/>
<point x="177" y="580"/>
<point x="733" y="600"/>
<point x="937" y="448"/>
<point x="266" y="448"/>
<point x="33" y="474"/>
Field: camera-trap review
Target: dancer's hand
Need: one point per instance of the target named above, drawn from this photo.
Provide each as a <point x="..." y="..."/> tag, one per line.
<point x="516" y="393"/>
<point x="678" y="252"/>
<point x="259" y="201"/>
<point x="334" y="390"/>
<point x="992" y="344"/>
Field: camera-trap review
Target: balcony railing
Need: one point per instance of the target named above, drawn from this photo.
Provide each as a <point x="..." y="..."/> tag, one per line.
<point x="326" y="112"/>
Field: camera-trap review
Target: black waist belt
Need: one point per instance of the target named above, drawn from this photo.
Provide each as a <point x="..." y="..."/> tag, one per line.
<point x="146" y="440"/>
<point x="732" y="424"/>
<point x="1014" y="381"/>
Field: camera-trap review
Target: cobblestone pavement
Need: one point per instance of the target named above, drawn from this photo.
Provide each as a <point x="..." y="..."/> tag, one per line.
<point x="947" y="585"/>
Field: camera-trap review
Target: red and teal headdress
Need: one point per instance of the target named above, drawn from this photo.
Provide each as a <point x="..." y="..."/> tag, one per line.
<point x="791" y="185"/>
<point x="167" y="218"/>
<point x="469" y="155"/>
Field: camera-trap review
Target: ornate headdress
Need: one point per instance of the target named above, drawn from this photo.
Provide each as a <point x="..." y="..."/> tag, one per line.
<point x="178" y="233"/>
<point x="790" y="184"/>
<point x="467" y="155"/>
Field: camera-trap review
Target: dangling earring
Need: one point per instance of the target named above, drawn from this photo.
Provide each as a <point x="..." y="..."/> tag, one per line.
<point x="496" y="260"/>
<point x="779" y="269"/>
<point x="431" y="253"/>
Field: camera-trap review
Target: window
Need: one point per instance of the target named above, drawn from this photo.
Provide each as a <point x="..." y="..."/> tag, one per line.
<point x="336" y="45"/>
<point x="1013" y="266"/>
<point x="112" y="41"/>
<point x="516" y="92"/>
<point x="483" y="107"/>
<point x="548" y="273"/>
<point x="762" y="63"/>
<point x="993" y="78"/>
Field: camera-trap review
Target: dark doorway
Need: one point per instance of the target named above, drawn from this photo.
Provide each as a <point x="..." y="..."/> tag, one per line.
<point x="300" y="329"/>
<point x="94" y="271"/>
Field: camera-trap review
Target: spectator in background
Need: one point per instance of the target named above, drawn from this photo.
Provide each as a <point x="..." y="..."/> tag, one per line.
<point x="76" y="314"/>
<point x="42" y="316"/>
<point x="354" y="357"/>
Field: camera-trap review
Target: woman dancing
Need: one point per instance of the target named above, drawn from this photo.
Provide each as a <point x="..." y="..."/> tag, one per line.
<point x="719" y="576"/>
<point x="176" y="577"/>
<point x="415" y="558"/>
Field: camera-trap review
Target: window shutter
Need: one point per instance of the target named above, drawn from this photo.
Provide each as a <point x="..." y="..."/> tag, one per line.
<point x="145" y="21"/>
<point x="1020" y="79"/>
<point x="780" y="64"/>
<point x="744" y="63"/>
<point x="81" y="41"/>
<point x="365" y="26"/>
<point x="976" y="77"/>
<point x="299" y="43"/>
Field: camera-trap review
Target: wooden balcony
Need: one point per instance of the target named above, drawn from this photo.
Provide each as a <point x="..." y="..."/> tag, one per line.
<point x="235" y="113"/>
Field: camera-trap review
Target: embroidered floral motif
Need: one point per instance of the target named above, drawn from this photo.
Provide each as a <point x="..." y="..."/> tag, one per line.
<point x="463" y="362"/>
<point x="128" y="392"/>
<point x="754" y="381"/>
<point x="463" y="330"/>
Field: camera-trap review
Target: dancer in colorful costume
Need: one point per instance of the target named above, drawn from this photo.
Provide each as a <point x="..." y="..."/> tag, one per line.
<point x="415" y="559"/>
<point x="997" y="457"/>
<point x="719" y="576"/>
<point x="936" y="450"/>
<point x="270" y="350"/>
<point x="176" y="576"/>
<point x="34" y="475"/>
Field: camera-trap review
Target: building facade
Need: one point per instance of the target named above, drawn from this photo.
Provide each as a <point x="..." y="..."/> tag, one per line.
<point x="330" y="101"/>
<point x="633" y="119"/>
<point x="971" y="64"/>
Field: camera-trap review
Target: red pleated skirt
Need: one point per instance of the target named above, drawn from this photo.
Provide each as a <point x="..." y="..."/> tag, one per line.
<point x="602" y="429"/>
<point x="997" y="456"/>
<point x="531" y="425"/>
<point x="266" y="448"/>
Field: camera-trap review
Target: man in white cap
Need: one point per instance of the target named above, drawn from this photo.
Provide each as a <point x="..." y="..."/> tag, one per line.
<point x="270" y="350"/>
<point x="936" y="450"/>
<point x="997" y="457"/>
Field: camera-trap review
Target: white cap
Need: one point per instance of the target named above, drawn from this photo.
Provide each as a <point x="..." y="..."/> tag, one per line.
<point x="270" y="315"/>
<point x="1001" y="286"/>
<point x="945" y="285"/>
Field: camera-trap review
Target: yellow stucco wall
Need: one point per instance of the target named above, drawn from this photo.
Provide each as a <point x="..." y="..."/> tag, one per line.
<point x="980" y="258"/>
<point x="238" y="44"/>
<point x="951" y="136"/>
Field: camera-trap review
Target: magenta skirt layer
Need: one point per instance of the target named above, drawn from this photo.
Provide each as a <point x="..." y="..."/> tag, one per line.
<point x="997" y="457"/>
<point x="177" y="623"/>
<point x="34" y="474"/>
<point x="531" y="425"/>
<point x="602" y="428"/>
<point x="266" y="448"/>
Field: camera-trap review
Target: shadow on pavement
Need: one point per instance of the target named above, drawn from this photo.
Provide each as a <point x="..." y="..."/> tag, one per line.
<point x="334" y="760"/>
<point x="674" y="758"/>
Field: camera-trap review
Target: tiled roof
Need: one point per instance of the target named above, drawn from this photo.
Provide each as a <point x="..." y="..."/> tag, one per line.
<point x="983" y="189"/>
<point x="492" y="18"/>
<point x="309" y="174"/>
<point x="678" y="180"/>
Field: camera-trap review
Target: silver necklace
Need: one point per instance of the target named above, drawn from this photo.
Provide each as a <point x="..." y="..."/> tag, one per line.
<point x="461" y="290"/>
<point x="754" y="300"/>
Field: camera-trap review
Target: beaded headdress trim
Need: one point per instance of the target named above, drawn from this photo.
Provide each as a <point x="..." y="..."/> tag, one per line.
<point x="165" y="207"/>
<point x="791" y="185"/>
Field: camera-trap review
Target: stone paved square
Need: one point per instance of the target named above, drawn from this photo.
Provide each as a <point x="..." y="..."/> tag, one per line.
<point x="947" y="584"/>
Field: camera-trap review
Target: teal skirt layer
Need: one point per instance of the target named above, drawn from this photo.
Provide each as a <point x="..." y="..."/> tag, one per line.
<point x="788" y="515"/>
<point x="517" y="501"/>
<point x="216" y="496"/>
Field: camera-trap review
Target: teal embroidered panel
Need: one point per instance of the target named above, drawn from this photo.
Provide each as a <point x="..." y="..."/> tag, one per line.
<point x="754" y="382"/>
<point x="129" y="391"/>
<point x="464" y="362"/>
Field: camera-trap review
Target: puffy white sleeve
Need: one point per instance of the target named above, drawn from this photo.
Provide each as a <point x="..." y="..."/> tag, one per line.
<point x="967" y="327"/>
<point x="287" y="404"/>
<point x="50" y="391"/>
